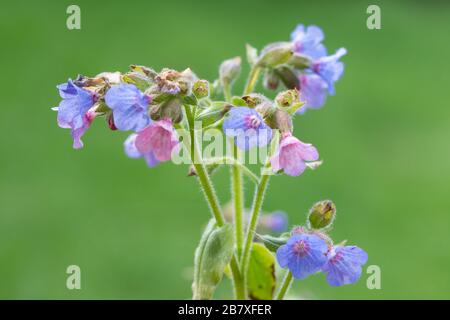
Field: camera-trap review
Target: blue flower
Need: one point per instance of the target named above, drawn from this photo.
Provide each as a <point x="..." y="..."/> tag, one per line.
<point x="276" y="221"/>
<point x="132" y="151"/>
<point x="344" y="265"/>
<point x="248" y="128"/>
<point x="307" y="41"/>
<point x="73" y="110"/>
<point x="303" y="255"/>
<point x="313" y="91"/>
<point x="129" y="107"/>
<point x="330" y="68"/>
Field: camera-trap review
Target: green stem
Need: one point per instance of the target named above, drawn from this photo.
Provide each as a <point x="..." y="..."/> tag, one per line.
<point x="238" y="196"/>
<point x="285" y="285"/>
<point x="212" y="200"/>
<point x="256" y="209"/>
<point x="226" y="91"/>
<point x="228" y="160"/>
<point x="252" y="79"/>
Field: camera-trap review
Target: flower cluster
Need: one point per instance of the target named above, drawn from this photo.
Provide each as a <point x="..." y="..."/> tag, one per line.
<point x="310" y="68"/>
<point x="308" y="250"/>
<point x="153" y="106"/>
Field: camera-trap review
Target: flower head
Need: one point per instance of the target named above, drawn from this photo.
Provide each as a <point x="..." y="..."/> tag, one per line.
<point x="344" y="265"/>
<point x="307" y="41"/>
<point x="129" y="107"/>
<point x="313" y="91"/>
<point x="303" y="254"/>
<point x="73" y="110"/>
<point x="292" y="154"/>
<point x="248" y="128"/>
<point x="132" y="151"/>
<point x="330" y="68"/>
<point x="159" y="138"/>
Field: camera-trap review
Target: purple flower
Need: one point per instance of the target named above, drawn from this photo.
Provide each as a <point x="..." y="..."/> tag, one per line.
<point x="292" y="154"/>
<point x="73" y="110"/>
<point x="303" y="255"/>
<point x="79" y="132"/>
<point x="330" y="68"/>
<point x="276" y="221"/>
<point x="344" y="265"/>
<point x="313" y="91"/>
<point x="159" y="139"/>
<point x="129" y="107"/>
<point x="307" y="41"/>
<point x="132" y="151"/>
<point x="247" y="127"/>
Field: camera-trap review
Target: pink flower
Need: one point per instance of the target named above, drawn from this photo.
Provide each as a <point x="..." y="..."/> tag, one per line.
<point x="77" y="133"/>
<point x="292" y="155"/>
<point x="158" y="138"/>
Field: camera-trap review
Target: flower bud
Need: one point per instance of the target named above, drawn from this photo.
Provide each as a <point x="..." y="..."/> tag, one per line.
<point x="287" y="98"/>
<point x="275" y="54"/>
<point x="300" y="62"/>
<point x="271" y="80"/>
<point x="322" y="214"/>
<point x="229" y="70"/>
<point x="288" y="77"/>
<point x="171" y="109"/>
<point x="280" y="120"/>
<point x="200" y="89"/>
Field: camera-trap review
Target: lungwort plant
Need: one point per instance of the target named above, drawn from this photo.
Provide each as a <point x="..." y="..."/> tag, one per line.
<point x="170" y="113"/>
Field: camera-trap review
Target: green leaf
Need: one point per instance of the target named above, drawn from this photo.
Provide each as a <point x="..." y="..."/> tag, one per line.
<point x="272" y="243"/>
<point x="211" y="257"/>
<point x="261" y="273"/>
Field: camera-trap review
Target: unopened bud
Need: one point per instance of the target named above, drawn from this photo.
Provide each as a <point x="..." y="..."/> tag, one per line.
<point x="275" y="54"/>
<point x="229" y="70"/>
<point x="170" y="109"/>
<point x="287" y="98"/>
<point x="201" y="89"/>
<point x="322" y="214"/>
<point x="288" y="77"/>
<point x="280" y="120"/>
<point x="300" y="61"/>
<point x="271" y="80"/>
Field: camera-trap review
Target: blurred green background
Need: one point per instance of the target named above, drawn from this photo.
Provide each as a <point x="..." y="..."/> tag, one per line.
<point x="384" y="139"/>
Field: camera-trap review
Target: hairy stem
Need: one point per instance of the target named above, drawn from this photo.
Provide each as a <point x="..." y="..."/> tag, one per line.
<point x="238" y="198"/>
<point x="285" y="285"/>
<point x="212" y="200"/>
<point x="226" y="91"/>
<point x="252" y="79"/>
<point x="228" y="160"/>
<point x="256" y="209"/>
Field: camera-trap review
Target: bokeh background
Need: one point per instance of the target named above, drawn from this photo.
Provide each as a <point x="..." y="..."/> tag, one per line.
<point x="384" y="139"/>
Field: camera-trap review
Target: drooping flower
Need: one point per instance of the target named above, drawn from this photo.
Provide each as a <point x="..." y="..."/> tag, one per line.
<point x="303" y="254"/>
<point x="344" y="265"/>
<point x="247" y="127"/>
<point x="88" y="118"/>
<point x="159" y="138"/>
<point x="313" y="91"/>
<point x="129" y="106"/>
<point x="292" y="154"/>
<point x="330" y="68"/>
<point x="308" y="41"/>
<point x="73" y="110"/>
<point x="132" y="151"/>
